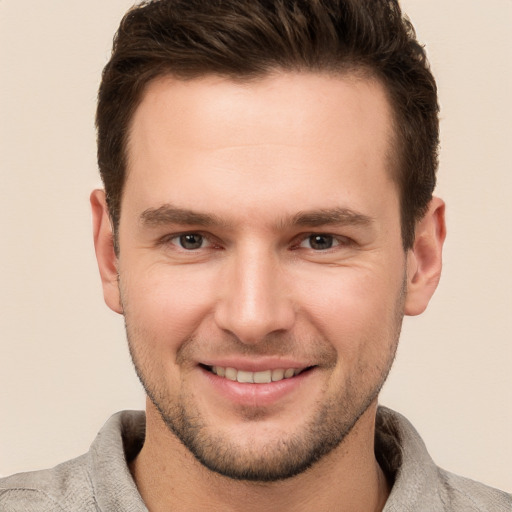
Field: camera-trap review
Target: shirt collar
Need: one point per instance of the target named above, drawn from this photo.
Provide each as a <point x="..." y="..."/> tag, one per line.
<point x="398" y="448"/>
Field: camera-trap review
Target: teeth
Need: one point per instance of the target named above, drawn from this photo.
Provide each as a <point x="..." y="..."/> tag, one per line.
<point x="231" y="373"/>
<point x="245" y="376"/>
<point x="263" y="377"/>
<point x="277" y="375"/>
<point x="289" y="373"/>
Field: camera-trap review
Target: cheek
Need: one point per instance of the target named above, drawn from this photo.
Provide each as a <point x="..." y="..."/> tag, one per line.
<point x="167" y="303"/>
<point x="352" y="306"/>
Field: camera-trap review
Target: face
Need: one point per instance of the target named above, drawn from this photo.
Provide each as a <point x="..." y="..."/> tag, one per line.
<point x="261" y="269"/>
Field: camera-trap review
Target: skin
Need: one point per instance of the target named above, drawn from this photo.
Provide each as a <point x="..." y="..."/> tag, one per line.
<point x="257" y="170"/>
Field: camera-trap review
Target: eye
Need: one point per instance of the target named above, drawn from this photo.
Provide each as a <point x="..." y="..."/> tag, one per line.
<point x="319" y="242"/>
<point x="190" y="241"/>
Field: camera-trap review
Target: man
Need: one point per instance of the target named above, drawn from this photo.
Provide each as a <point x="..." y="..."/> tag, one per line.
<point x="267" y="221"/>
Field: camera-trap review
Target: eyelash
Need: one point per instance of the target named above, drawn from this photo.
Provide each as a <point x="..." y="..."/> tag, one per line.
<point x="337" y="240"/>
<point x="168" y="239"/>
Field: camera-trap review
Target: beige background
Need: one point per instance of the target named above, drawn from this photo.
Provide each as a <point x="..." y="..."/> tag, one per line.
<point x="64" y="367"/>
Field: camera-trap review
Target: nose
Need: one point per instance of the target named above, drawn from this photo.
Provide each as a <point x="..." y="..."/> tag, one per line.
<point x="254" y="300"/>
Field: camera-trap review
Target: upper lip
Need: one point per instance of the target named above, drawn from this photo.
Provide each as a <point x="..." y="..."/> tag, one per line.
<point x="256" y="365"/>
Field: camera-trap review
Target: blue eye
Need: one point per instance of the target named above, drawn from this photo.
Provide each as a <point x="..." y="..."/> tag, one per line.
<point x="319" y="242"/>
<point x="191" y="241"/>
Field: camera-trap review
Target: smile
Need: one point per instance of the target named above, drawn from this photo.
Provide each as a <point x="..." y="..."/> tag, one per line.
<point x="261" y="377"/>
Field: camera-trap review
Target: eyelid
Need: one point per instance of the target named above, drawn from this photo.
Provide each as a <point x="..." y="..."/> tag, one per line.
<point x="339" y="240"/>
<point x="169" y="239"/>
<point x="212" y="241"/>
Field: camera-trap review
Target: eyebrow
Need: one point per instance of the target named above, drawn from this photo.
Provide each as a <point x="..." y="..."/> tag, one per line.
<point x="335" y="216"/>
<point x="168" y="214"/>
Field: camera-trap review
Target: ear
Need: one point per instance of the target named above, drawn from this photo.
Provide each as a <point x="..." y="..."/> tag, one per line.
<point x="105" y="254"/>
<point x="424" y="259"/>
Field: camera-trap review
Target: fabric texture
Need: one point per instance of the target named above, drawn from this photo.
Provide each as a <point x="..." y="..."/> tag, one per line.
<point x="101" y="481"/>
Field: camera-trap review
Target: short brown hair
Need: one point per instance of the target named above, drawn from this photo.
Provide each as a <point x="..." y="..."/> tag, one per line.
<point x="244" y="39"/>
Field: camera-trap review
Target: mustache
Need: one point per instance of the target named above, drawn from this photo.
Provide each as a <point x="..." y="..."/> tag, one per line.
<point x="278" y="345"/>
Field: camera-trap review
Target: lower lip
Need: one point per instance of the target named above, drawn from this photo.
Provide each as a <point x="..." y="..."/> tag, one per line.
<point x="255" y="395"/>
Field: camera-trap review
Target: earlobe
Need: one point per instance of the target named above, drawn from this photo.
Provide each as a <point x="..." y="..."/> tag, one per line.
<point x="104" y="247"/>
<point x="424" y="259"/>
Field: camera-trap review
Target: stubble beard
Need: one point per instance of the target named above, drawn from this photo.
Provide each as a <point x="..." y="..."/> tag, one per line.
<point x="278" y="459"/>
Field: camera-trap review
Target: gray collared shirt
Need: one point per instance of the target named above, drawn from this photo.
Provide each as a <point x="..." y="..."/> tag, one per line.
<point x="101" y="481"/>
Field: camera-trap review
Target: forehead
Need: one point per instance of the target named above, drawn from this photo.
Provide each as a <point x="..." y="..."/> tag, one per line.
<point x="218" y="106"/>
<point x="283" y="136"/>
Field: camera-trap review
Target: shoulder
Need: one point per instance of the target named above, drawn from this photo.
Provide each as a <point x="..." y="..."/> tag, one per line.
<point x="418" y="483"/>
<point x="464" y="494"/>
<point x="65" y="487"/>
<point x="100" y="479"/>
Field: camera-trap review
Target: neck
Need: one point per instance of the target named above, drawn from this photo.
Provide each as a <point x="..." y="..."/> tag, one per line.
<point x="348" y="479"/>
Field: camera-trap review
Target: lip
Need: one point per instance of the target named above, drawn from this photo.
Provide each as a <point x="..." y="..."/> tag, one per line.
<point x="254" y="395"/>
<point x="257" y="365"/>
